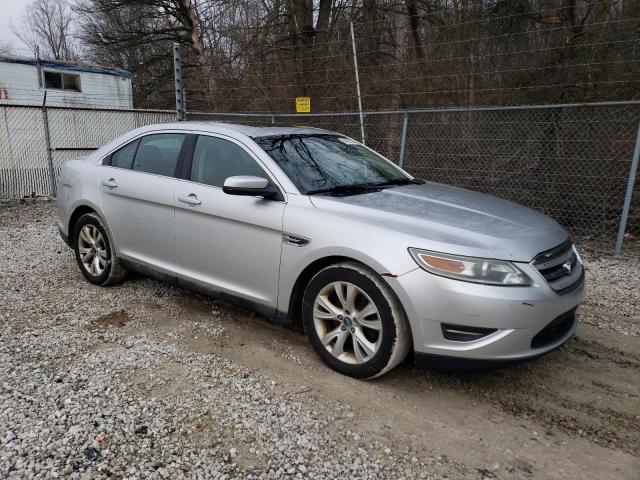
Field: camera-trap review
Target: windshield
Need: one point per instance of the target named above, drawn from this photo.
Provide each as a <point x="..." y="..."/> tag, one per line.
<point x="323" y="162"/>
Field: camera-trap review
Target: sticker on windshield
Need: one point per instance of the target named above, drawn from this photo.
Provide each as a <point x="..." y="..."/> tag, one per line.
<point x="348" y="141"/>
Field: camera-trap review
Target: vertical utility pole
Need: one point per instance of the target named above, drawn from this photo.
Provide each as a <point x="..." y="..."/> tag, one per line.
<point x="355" y="66"/>
<point x="177" y="72"/>
<point x="627" y="198"/>
<point x="47" y="138"/>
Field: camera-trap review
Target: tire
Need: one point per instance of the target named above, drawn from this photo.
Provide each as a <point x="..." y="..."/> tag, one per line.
<point x="91" y="241"/>
<point x="354" y="321"/>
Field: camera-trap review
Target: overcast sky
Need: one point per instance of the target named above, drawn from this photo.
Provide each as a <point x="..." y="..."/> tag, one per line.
<point x="11" y="11"/>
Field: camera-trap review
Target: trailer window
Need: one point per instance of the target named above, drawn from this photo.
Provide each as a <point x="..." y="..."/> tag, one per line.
<point x="62" y="81"/>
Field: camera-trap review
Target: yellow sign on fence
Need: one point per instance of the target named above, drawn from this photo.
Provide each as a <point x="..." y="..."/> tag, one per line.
<point x="303" y="104"/>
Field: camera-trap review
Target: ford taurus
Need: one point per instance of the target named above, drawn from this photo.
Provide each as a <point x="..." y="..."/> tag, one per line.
<point x="317" y="231"/>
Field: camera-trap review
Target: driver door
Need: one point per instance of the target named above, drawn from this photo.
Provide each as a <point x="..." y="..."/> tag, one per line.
<point x="227" y="243"/>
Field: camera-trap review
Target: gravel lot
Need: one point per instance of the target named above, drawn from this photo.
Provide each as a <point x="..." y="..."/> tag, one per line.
<point x="144" y="380"/>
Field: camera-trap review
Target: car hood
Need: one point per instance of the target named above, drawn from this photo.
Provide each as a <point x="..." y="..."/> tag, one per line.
<point x="453" y="220"/>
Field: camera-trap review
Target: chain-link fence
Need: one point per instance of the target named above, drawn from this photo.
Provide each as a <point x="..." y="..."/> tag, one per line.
<point x="35" y="141"/>
<point x="572" y="162"/>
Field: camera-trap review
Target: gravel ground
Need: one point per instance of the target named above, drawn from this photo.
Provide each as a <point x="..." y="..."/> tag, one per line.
<point x="144" y="380"/>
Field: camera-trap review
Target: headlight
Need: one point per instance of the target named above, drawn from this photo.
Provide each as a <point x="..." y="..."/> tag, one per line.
<point x="470" y="269"/>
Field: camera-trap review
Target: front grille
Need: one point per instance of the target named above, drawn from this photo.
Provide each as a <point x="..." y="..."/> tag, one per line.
<point x="560" y="267"/>
<point x="557" y="329"/>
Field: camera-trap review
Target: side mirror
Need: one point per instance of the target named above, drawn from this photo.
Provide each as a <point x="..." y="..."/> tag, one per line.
<point x="250" y="187"/>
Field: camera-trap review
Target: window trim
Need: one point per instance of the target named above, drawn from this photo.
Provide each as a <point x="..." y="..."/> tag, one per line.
<point x="185" y="173"/>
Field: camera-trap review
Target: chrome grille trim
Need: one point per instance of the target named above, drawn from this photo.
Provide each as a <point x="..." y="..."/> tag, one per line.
<point x="554" y="262"/>
<point x="560" y="267"/>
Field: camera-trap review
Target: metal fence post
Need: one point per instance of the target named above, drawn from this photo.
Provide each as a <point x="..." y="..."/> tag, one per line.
<point x="47" y="137"/>
<point x="177" y="73"/>
<point x="403" y="141"/>
<point x="355" y="67"/>
<point x="627" y="198"/>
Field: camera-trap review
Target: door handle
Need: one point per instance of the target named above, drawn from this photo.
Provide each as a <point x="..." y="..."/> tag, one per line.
<point x="190" y="199"/>
<point x="111" y="183"/>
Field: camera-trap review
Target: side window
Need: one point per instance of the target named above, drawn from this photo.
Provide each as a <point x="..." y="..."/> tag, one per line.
<point x="123" y="158"/>
<point x="159" y="153"/>
<point x="215" y="160"/>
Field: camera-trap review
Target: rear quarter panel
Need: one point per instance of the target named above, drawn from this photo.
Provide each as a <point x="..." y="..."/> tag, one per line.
<point x="77" y="185"/>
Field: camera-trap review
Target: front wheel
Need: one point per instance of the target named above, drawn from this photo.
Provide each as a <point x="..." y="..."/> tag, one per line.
<point x="354" y="321"/>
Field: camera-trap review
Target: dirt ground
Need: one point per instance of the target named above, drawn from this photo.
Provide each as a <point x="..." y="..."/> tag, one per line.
<point x="574" y="413"/>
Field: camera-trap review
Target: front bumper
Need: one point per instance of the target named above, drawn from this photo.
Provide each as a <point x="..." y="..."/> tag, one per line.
<point x="517" y="313"/>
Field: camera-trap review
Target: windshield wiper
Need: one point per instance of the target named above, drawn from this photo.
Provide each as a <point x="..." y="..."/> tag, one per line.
<point x="346" y="189"/>
<point x="398" y="181"/>
<point x="358" y="188"/>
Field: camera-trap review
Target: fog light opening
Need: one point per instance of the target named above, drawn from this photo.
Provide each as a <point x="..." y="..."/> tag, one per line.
<point x="463" y="333"/>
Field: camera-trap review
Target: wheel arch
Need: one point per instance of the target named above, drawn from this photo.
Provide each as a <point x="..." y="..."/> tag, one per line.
<point x="83" y="209"/>
<point x="294" y="312"/>
<point x="78" y="212"/>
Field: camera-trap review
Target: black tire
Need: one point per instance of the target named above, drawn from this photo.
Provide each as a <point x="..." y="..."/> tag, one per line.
<point x="114" y="272"/>
<point x="395" y="342"/>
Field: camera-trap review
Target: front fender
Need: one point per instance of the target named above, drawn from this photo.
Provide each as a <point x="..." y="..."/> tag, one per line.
<point x="331" y="235"/>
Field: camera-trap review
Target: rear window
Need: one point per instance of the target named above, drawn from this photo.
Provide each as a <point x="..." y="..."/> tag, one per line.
<point x="158" y="154"/>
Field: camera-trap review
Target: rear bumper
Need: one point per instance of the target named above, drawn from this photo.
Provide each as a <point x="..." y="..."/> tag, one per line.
<point x="521" y="318"/>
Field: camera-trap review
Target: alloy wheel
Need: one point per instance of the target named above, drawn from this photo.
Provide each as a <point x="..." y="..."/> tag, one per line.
<point x="347" y="322"/>
<point x="93" y="250"/>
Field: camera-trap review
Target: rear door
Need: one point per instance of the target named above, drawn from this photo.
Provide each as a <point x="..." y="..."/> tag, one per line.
<point x="224" y="242"/>
<point x="136" y="193"/>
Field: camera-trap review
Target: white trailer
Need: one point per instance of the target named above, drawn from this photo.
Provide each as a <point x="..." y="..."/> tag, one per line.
<point x="70" y="84"/>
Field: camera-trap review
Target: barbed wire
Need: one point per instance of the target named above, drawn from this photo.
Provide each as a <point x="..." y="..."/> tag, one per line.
<point x="348" y="57"/>
<point x="441" y="91"/>
<point x="420" y="77"/>
<point x="359" y="39"/>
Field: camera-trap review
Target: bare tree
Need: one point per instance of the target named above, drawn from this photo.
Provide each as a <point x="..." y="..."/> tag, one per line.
<point x="260" y="55"/>
<point x="47" y="27"/>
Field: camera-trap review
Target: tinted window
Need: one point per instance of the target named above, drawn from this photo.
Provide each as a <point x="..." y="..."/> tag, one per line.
<point x="123" y="158"/>
<point x="159" y="154"/>
<point x="215" y="160"/>
<point x="326" y="161"/>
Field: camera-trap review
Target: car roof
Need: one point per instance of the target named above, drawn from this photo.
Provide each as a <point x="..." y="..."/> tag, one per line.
<point x="253" y="131"/>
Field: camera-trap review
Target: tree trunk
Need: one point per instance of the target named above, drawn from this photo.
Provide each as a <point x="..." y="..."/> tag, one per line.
<point x="414" y="21"/>
<point x="322" y="26"/>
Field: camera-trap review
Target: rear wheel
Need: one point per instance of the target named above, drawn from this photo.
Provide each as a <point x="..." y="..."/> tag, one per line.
<point x="354" y="321"/>
<point x="94" y="252"/>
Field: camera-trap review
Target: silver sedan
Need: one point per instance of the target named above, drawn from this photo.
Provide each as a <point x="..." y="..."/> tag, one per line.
<point x="319" y="232"/>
